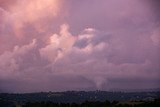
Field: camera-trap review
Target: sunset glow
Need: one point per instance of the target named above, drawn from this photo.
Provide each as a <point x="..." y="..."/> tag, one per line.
<point x="60" y="45"/>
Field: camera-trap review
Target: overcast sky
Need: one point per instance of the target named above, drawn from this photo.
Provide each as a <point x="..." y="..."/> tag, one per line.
<point x="60" y="45"/>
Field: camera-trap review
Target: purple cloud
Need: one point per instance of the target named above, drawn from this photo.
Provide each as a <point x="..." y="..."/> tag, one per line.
<point x="78" y="45"/>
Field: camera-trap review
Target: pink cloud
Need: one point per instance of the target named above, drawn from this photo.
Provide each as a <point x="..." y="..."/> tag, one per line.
<point x="156" y="37"/>
<point x="58" y="45"/>
<point x="10" y="60"/>
<point x="103" y="44"/>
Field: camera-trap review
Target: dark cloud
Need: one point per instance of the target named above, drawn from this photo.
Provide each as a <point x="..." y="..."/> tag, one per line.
<point x="154" y="7"/>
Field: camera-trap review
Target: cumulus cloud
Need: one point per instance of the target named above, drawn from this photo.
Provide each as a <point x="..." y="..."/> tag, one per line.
<point x="65" y="43"/>
<point x="10" y="60"/>
<point x="89" y="56"/>
<point x="95" y="49"/>
<point x="58" y="44"/>
<point x="21" y="14"/>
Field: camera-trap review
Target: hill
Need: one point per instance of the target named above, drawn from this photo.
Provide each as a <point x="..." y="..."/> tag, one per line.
<point x="75" y="97"/>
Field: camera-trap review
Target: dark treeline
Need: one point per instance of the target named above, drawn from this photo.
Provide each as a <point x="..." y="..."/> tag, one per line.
<point x="78" y="96"/>
<point x="81" y="99"/>
<point x="154" y="103"/>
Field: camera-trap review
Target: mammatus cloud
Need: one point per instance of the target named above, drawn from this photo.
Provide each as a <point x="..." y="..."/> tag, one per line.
<point x="95" y="49"/>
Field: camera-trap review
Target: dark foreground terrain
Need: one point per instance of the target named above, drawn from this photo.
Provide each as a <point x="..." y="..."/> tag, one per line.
<point x="155" y="103"/>
<point x="81" y="99"/>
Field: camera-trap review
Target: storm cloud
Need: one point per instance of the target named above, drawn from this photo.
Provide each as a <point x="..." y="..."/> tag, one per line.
<point x="58" y="45"/>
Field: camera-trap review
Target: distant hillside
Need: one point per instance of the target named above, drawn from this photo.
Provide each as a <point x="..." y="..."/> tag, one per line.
<point x="76" y="97"/>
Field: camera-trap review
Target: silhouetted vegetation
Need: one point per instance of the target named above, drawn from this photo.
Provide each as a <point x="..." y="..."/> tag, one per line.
<point x="80" y="99"/>
<point x="155" y="103"/>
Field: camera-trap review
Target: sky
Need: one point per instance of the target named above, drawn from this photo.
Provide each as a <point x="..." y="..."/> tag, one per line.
<point x="61" y="45"/>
